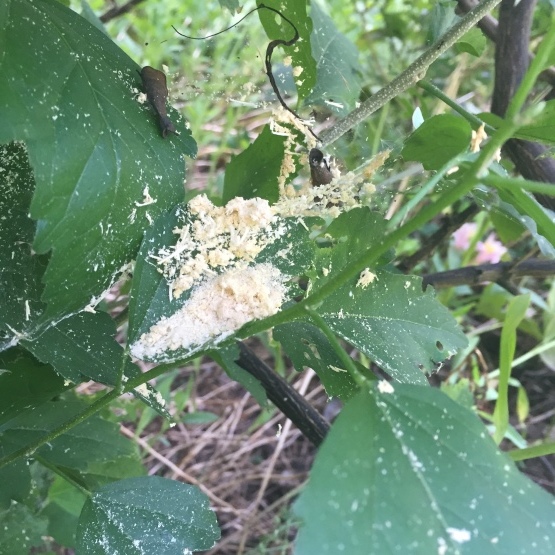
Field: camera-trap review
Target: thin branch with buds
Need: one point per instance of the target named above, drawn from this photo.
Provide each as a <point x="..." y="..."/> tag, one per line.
<point x="408" y="78"/>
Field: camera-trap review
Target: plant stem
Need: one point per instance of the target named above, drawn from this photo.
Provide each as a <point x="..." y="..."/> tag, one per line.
<point x="340" y="351"/>
<point x="66" y="426"/>
<point x="509" y="183"/>
<point x="98" y="405"/>
<point x="475" y="170"/>
<point x="540" y="450"/>
<point x="414" y="73"/>
<point x="54" y="468"/>
<point x="438" y="93"/>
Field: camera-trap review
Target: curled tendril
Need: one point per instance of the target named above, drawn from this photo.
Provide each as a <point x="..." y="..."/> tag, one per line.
<point x="269" y="52"/>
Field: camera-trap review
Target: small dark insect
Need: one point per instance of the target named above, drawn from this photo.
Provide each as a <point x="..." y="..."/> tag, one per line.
<point x="319" y="168"/>
<point x="154" y="83"/>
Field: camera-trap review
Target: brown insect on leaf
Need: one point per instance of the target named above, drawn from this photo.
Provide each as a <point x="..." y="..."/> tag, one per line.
<point x="156" y="89"/>
<point x="319" y="168"/>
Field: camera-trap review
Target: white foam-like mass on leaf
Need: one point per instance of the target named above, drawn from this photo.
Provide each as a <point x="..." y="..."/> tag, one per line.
<point x="216" y="308"/>
<point x="459" y="535"/>
<point x="366" y="278"/>
<point x="216" y="238"/>
<point x="385" y="387"/>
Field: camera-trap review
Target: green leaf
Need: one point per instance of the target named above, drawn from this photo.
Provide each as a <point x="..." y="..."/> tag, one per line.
<point x="519" y="209"/>
<point x="543" y="129"/>
<point x="337" y="67"/>
<point x="255" y="171"/>
<point x="460" y="392"/>
<point x="307" y="346"/>
<point x="146" y="515"/>
<point x="21" y="529"/>
<point x="66" y="496"/>
<point x="102" y="472"/>
<point x="277" y="28"/>
<point x="83" y="347"/>
<point x="534" y="217"/>
<point x="61" y="524"/>
<point x="93" y="147"/>
<point x="508" y="228"/>
<point x="473" y="42"/>
<point x="83" y="448"/>
<point x="412" y="470"/>
<point x="21" y="270"/>
<point x="217" y="302"/>
<point x="522" y="404"/>
<point x="88" y="13"/>
<point x="25" y="383"/>
<point x="515" y="313"/>
<point x="65" y="503"/>
<point x="15" y="482"/>
<point x="149" y="290"/>
<point x="226" y="358"/>
<point x="351" y="234"/>
<point x="441" y="18"/>
<point x="540" y="130"/>
<point x="199" y="417"/>
<point x="232" y="5"/>
<point x="403" y="330"/>
<point x="437" y="140"/>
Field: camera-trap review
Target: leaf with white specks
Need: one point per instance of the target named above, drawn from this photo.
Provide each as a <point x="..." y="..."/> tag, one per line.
<point x="84" y="347"/>
<point x="146" y="515"/>
<point x="409" y="470"/>
<point x="25" y="383"/>
<point x="88" y="448"/>
<point x="21" y="529"/>
<point x="94" y="148"/>
<point x="21" y="269"/>
<point x="300" y="51"/>
<point x="404" y="330"/>
<point x="387" y="316"/>
<point x="218" y="300"/>
<point x="338" y="83"/>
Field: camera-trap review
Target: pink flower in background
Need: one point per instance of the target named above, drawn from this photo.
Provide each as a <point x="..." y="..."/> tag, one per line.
<point x="491" y="250"/>
<point x="463" y="236"/>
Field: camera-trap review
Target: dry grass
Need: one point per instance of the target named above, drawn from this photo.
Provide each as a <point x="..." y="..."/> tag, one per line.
<point x="251" y="468"/>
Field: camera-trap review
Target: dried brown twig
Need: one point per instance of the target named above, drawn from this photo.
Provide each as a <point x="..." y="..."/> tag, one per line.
<point x="502" y="271"/>
<point x="116" y="11"/>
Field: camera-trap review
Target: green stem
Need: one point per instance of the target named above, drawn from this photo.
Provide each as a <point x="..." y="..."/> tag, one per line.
<point x="65" y="427"/>
<point x="509" y="183"/>
<point x="98" y="405"/>
<point x="347" y="361"/>
<point x="438" y="93"/>
<point x="64" y="475"/>
<point x="514" y="315"/>
<point x="426" y="189"/>
<point x="541" y="450"/>
<point x="414" y="73"/>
